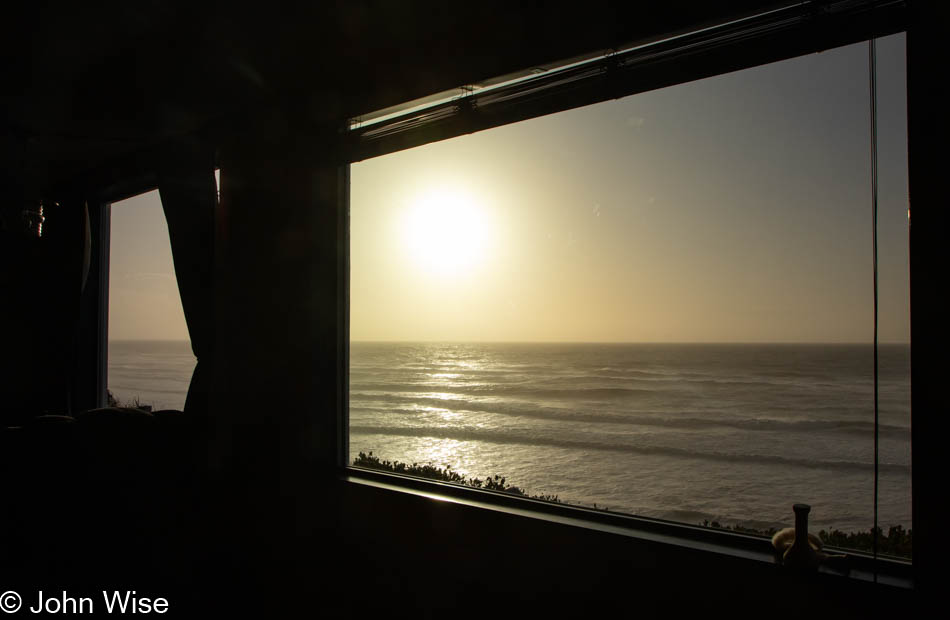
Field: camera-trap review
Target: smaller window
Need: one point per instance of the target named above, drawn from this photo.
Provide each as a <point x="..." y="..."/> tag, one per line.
<point x="150" y="357"/>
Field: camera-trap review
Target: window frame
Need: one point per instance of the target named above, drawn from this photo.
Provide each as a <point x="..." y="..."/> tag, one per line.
<point x="455" y="118"/>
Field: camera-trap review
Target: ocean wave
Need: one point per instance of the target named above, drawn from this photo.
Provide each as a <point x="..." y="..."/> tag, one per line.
<point x="586" y="387"/>
<point x="511" y="438"/>
<point x="458" y="403"/>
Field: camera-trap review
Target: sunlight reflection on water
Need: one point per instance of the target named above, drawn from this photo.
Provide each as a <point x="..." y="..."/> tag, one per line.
<point x="722" y="440"/>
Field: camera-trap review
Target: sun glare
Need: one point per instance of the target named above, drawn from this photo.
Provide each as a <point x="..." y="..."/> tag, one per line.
<point x="446" y="231"/>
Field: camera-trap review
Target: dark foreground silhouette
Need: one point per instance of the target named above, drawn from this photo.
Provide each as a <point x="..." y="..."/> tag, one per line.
<point x="897" y="542"/>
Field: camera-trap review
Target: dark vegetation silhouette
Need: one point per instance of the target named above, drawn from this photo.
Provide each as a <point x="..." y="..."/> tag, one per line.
<point x="430" y="471"/>
<point x="897" y="542"/>
<point x="134" y="403"/>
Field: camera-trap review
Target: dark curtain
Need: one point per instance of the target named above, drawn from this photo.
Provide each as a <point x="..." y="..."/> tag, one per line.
<point x="189" y="197"/>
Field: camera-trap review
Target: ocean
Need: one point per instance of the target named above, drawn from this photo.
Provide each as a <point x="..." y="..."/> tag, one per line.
<point x="728" y="433"/>
<point x="155" y="372"/>
<point x="734" y="433"/>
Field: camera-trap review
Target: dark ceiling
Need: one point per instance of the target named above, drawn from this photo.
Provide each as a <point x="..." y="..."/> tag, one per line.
<point x="85" y="85"/>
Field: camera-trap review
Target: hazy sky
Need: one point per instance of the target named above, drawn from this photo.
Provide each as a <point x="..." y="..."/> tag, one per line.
<point x="143" y="293"/>
<point x="735" y="208"/>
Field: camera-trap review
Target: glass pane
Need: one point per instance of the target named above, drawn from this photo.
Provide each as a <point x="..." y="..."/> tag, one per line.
<point x="894" y="266"/>
<point x="150" y="358"/>
<point x="660" y="305"/>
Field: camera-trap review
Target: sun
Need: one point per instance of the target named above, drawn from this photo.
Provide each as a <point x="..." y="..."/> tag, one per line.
<point x="446" y="231"/>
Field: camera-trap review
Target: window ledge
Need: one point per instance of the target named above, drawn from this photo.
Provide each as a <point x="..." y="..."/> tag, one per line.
<point x="890" y="572"/>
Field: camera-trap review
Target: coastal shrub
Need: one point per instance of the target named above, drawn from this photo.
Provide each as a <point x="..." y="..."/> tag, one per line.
<point x="430" y="471"/>
<point x="135" y="403"/>
<point x="897" y="542"/>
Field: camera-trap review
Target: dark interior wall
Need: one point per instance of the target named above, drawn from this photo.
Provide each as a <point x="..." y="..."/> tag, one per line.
<point x="41" y="282"/>
<point x="55" y="292"/>
<point x="280" y="269"/>
<point x="928" y="136"/>
<point x="277" y="363"/>
<point x="409" y="553"/>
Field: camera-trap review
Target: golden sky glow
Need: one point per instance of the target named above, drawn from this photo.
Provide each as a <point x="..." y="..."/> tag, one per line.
<point x="733" y="209"/>
<point x="144" y="303"/>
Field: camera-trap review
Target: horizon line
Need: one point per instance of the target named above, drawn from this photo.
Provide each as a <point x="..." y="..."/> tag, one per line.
<point x="605" y="342"/>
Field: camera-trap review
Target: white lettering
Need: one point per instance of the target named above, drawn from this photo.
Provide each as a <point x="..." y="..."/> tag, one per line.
<point x="65" y="604"/>
<point x="115" y="601"/>
<point x="127" y="602"/>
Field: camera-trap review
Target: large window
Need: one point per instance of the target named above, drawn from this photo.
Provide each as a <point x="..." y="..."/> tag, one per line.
<point x="660" y="305"/>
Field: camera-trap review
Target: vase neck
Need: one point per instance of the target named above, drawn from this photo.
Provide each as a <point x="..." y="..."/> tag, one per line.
<point x="801" y="520"/>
